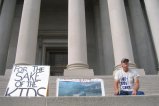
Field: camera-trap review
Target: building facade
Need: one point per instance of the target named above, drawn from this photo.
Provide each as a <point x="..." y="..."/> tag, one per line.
<point x="79" y="35"/>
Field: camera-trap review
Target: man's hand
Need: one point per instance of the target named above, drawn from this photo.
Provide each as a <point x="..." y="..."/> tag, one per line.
<point x="136" y="87"/>
<point x="116" y="92"/>
<point x="134" y="92"/>
<point x="116" y="88"/>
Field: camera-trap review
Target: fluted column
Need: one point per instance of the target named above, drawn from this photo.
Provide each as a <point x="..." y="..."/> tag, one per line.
<point x="77" y="46"/>
<point x="27" y="41"/>
<point x="152" y="8"/>
<point x="6" y="20"/>
<point x="120" y="33"/>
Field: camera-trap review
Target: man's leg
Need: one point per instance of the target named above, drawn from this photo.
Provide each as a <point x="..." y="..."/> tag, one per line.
<point x="123" y="93"/>
<point x="130" y="93"/>
<point x="140" y="93"/>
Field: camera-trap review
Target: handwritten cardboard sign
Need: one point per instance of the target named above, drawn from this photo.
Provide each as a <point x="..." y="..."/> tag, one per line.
<point x="28" y="80"/>
<point x="80" y="87"/>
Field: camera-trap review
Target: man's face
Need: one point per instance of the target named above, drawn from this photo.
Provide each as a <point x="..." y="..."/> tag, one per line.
<point x="125" y="66"/>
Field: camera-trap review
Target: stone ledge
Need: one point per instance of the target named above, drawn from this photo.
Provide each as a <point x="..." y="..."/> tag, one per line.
<point x="81" y="101"/>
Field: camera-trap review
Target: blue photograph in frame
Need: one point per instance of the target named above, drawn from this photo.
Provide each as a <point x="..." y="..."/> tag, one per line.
<point x="80" y="87"/>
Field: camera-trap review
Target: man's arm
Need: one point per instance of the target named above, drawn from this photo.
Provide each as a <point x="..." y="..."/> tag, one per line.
<point x="116" y="87"/>
<point x="136" y="87"/>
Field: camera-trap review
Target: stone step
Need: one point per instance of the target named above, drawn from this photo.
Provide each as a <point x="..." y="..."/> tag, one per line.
<point x="151" y="100"/>
<point x="148" y="83"/>
<point x="3" y="84"/>
<point x="8" y="73"/>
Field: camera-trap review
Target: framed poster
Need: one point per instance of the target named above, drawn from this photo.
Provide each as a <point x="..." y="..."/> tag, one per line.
<point x="80" y="87"/>
<point x="28" y="80"/>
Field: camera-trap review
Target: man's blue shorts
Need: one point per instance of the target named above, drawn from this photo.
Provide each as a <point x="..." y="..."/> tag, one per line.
<point x="130" y="93"/>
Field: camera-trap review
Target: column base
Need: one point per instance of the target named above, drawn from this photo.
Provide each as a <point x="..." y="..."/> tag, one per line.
<point x="78" y="72"/>
<point x="78" y="69"/>
<point x="131" y="66"/>
<point x="118" y="67"/>
<point x="77" y="66"/>
<point x="141" y="72"/>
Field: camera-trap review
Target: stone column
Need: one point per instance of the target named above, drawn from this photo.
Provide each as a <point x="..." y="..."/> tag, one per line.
<point x="120" y="33"/>
<point x="77" y="45"/>
<point x="141" y="37"/>
<point x="27" y="41"/>
<point x="152" y="8"/>
<point x="106" y="38"/>
<point x="0" y="2"/>
<point x="6" y="18"/>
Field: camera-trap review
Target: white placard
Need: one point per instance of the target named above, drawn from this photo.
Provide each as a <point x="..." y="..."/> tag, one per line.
<point x="80" y="87"/>
<point x="28" y="80"/>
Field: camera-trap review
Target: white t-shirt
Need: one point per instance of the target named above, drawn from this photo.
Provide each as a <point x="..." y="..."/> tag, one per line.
<point x="126" y="79"/>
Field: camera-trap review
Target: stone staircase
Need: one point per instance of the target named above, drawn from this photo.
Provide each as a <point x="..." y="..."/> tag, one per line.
<point x="148" y="83"/>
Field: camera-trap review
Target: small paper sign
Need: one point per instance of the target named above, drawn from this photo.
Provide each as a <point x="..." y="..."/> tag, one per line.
<point x="28" y="80"/>
<point x="80" y="87"/>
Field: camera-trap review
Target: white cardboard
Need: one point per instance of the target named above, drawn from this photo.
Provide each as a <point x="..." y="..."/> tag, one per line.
<point x="28" y="80"/>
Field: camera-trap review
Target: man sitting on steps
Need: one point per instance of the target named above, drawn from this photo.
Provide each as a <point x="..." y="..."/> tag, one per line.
<point x="127" y="79"/>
